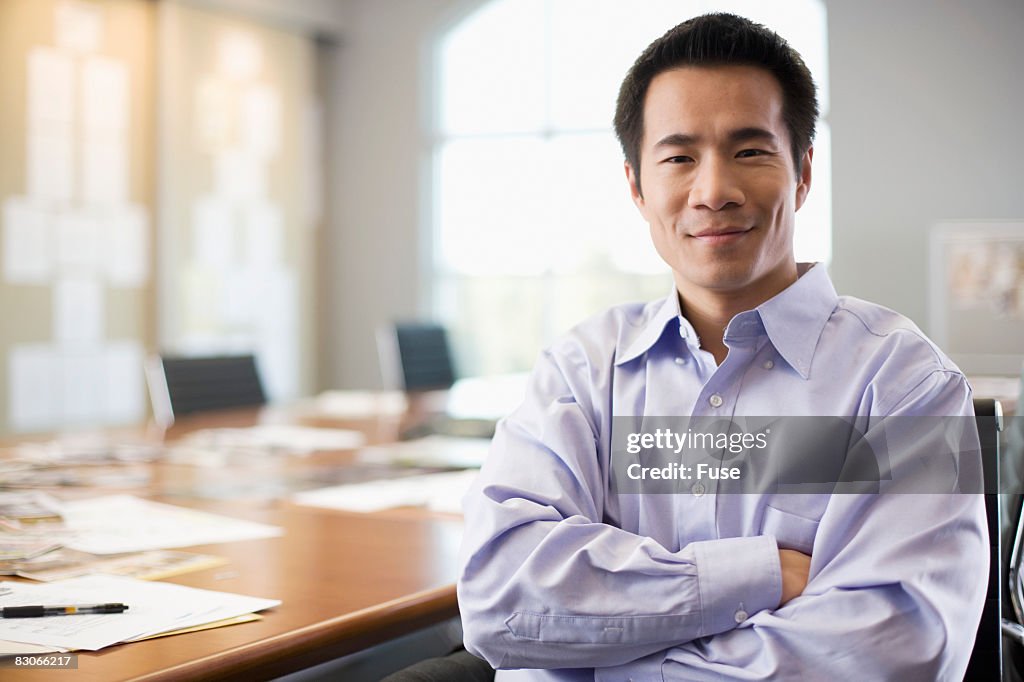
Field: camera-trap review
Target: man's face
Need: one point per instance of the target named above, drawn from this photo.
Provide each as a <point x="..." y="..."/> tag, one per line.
<point x="719" y="186"/>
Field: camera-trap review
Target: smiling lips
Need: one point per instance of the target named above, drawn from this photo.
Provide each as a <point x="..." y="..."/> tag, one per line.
<point x="723" y="236"/>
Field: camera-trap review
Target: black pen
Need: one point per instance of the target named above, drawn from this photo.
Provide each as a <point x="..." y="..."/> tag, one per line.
<point x="39" y="611"/>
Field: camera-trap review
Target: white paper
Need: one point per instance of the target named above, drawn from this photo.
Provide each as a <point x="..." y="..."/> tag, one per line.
<point x="213" y="232"/>
<point x="438" y="492"/>
<point x="105" y="170"/>
<point x="261" y="121"/>
<point x="126" y="255"/>
<point x="32" y="387"/>
<point x="264" y="235"/>
<point x="201" y="293"/>
<point x="278" y="437"/>
<point x="240" y="296"/>
<point x="239" y="176"/>
<point x="79" y="26"/>
<point x="239" y="55"/>
<point x="104" y="95"/>
<point x="77" y="237"/>
<point x="153" y="607"/>
<point x="214" y="114"/>
<point x="81" y="387"/>
<point x="26" y="243"/>
<point x="50" y="169"/>
<point x="78" y="312"/>
<point x="357" y="404"/>
<point x="51" y="87"/>
<point x="125" y="398"/>
<point x="122" y="523"/>
<point x="8" y="648"/>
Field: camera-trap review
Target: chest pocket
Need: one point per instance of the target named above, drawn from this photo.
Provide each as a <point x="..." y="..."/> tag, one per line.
<point x="789" y="530"/>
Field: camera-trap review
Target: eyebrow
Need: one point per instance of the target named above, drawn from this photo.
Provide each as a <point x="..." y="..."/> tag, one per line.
<point x="739" y="135"/>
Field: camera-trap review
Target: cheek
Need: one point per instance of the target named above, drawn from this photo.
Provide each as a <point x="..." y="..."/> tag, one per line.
<point x="666" y="210"/>
<point x="665" y="243"/>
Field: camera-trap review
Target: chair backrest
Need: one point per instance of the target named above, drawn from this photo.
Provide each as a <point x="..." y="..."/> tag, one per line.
<point x="424" y="358"/>
<point x="184" y="385"/>
<point x="1012" y="523"/>
<point x="987" y="657"/>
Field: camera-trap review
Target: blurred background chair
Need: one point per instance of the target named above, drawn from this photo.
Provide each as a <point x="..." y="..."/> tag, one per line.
<point x="416" y="356"/>
<point x="185" y="385"/>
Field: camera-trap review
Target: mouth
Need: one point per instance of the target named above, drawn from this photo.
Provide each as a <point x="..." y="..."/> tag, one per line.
<point x="725" y="235"/>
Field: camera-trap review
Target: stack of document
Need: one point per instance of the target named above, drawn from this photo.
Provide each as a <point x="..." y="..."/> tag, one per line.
<point x="271" y="439"/>
<point x="115" y="524"/>
<point x="154" y="608"/>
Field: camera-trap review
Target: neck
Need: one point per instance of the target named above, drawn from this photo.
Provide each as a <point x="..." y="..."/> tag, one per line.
<point x="710" y="310"/>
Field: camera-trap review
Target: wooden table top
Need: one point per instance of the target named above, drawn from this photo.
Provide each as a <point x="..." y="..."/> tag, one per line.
<point x="347" y="581"/>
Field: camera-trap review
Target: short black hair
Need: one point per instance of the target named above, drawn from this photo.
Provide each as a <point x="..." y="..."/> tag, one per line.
<point x="716" y="40"/>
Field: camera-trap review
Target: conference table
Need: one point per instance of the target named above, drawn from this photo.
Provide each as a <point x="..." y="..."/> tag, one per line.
<point x="347" y="581"/>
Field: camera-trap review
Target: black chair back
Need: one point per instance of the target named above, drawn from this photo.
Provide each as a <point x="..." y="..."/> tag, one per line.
<point x="987" y="657"/>
<point x="201" y="384"/>
<point x="424" y="356"/>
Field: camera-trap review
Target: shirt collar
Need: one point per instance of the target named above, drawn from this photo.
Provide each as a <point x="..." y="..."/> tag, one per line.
<point x="651" y="330"/>
<point x="793" y="319"/>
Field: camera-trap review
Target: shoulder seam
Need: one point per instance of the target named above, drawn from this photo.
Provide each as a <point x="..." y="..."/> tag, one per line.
<point x="926" y="377"/>
<point x="936" y="356"/>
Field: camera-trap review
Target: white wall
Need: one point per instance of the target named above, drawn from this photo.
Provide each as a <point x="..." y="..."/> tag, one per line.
<point x="375" y="250"/>
<point x="925" y="121"/>
<point x="926" y="126"/>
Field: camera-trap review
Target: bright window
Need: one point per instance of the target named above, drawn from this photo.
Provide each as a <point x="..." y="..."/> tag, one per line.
<point x="533" y="225"/>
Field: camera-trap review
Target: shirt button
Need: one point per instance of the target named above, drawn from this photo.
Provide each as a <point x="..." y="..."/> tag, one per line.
<point x="715" y="400"/>
<point x="680" y="361"/>
<point x="768" y="364"/>
<point x="698" y="489"/>
<point x="741" y="616"/>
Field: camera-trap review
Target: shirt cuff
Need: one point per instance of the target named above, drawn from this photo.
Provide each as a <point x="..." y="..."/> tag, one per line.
<point x="737" y="577"/>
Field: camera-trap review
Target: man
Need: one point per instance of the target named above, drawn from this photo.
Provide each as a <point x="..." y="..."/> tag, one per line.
<point x="564" y="579"/>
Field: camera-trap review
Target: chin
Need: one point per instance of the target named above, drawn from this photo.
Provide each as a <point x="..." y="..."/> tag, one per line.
<point x="724" y="279"/>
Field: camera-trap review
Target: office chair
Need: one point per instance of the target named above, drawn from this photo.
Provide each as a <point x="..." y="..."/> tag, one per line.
<point x="986" y="662"/>
<point x="1013" y="543"/>
<point x="416" y="356"/>
<point x="185" y="385"/>
<point x="458" y="666"/>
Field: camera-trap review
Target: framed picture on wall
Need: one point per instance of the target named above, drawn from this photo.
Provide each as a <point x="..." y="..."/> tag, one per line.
<point x="976" y="294"/>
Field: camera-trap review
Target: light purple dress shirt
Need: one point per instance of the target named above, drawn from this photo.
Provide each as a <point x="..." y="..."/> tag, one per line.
<point x="562" y="580"/>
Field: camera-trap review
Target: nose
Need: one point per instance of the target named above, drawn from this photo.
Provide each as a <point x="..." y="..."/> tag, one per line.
<point x="714" y="186"/>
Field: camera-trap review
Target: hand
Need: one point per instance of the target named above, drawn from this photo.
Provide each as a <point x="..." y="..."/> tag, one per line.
<point x="795" y="567"/>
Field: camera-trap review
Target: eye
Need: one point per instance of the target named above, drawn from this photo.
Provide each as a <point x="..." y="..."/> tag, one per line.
<point x="747" y="153"/>
<point x="678" y="159"/>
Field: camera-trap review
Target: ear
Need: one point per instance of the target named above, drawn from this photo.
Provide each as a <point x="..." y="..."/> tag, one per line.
<point x="803" y="185"/>
<point x="638" y="198"/>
